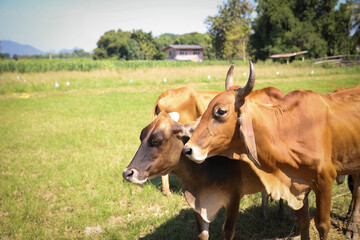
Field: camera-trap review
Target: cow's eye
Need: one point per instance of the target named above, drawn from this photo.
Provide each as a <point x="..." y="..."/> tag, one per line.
<point x="221" y="112"/>
<point x="155" y="142"/>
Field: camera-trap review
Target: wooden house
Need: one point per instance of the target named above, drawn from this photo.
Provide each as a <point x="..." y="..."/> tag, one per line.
<point x="185" y="52"/>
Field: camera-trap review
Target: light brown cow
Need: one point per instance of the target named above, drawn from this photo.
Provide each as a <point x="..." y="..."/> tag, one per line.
<point x="207" y="187"/>
<point x="303" y="142"/>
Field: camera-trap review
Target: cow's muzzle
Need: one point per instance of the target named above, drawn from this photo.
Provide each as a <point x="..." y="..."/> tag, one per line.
<point x="132" y="175"/>
<point x="194" y="154"/>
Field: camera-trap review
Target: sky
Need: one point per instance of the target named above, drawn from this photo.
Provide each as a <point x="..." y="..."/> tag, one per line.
<point x="65" y="24"/>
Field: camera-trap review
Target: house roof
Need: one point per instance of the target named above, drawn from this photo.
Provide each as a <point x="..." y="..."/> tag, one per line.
<point x="285" y="55"/>
<point x="183" y="47"/>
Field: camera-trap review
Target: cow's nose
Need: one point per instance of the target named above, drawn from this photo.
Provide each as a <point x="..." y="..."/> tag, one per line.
<point x="187" y="150"/>
<point x="128" y="173"/>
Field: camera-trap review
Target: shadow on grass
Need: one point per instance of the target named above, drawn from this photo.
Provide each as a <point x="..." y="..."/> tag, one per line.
<point x="249" y="225"/>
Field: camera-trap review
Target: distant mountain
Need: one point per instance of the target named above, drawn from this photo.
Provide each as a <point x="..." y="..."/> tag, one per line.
<point x="68" y="50"/>
<point x="12" y="48"/>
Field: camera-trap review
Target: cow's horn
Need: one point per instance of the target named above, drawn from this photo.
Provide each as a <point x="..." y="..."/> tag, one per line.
<point x="243" y="92"/>
<point x="229" y="82"/>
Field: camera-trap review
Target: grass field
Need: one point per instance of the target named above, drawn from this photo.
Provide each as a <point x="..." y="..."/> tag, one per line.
<point x="63" y="150"/>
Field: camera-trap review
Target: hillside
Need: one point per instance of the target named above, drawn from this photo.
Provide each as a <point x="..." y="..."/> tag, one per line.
<point x="12" y="48"/>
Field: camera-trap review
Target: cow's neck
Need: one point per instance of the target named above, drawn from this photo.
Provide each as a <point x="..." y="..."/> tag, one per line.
<point x="186" y="171"/>
<point x="190" y="177"/>
<point x="271" y="148"/>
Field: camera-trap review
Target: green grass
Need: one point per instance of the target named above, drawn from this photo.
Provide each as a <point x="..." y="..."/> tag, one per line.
<point x="83" y="64"/>
<point x="98" y="80"/>
<point x="62" y="153"/>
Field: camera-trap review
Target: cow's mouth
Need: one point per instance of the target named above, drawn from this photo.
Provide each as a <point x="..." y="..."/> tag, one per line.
<point x="194" y="154"/>
<point x="133" y="176"/>
<point x="160" y="173"/>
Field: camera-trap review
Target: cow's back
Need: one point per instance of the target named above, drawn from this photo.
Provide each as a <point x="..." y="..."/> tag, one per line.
<point x="189" y="103"/>
<point x="306" y="126"/>
<point x="344" y="123"/>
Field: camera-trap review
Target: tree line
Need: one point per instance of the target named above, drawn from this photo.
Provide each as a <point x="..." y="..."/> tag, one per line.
<point x="320" y="27"/>
<point x="240" y="31"/>
<point x="139" y="45"/>
<point x="77" y="53"/>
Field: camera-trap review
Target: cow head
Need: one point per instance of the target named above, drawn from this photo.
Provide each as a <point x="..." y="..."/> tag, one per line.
<point x="160" y="149"/>
<point x="225" y="121"/>
<point x="186" y="101"/>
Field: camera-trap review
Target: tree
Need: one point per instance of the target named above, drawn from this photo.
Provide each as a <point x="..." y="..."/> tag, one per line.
<point x="99" y="53"/>
<point x="146" y="43"/>
<point x="134" y="50"/>
<point x="295" y="25"/>
<point x="341" y="41"/>
<point x="80" y="53"/>
<point x="196" y="38"/>
<point x="236" y="40"/>
<point x="113" y="44"/>
<point x="6" y="56"/>
<point x="126" y="45"/>
<point x="225" y="24"/>
<point x="164" y="40"/>
<point x="139" y="45"/>
<point x="354" y="7"/>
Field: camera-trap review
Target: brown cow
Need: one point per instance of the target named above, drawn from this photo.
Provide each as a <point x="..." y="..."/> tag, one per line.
<point x="303" y="142"/>
<point x="188" y="104"/>
<point x="216" y="183"/>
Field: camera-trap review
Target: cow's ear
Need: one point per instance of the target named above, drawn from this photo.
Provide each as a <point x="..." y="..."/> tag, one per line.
<point x="184" y="131"/>
<point x="190" y="127"/>
<point x="247" y="135"/>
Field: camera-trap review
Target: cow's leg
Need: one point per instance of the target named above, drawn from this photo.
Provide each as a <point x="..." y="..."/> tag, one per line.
<point x="340" y="179"/>
<point x="303" y="219"/>
<point x="232" y="211"/>
<point x="351" y="188"/>
<point x="264" y="204"/>
<point x="165" y="184"/>
<point x="203" y="227"/>
<point x="323" y="204"/>
<point x="352" y="228"/>
<point x="281" y="209"/>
